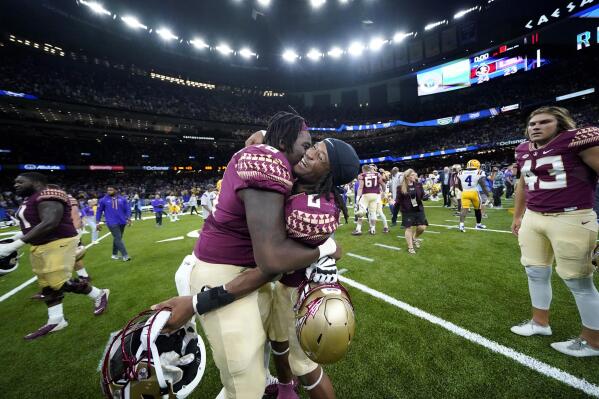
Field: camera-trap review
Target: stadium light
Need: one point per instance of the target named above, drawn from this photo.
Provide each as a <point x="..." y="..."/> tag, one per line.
<point x="166" y="34"/>
<point x="95" y="7"/>
<point x="343" y="1"/>
<point x="290" y="56"/>
<point x="198" y="43"/>
<point x="376" y="43"/>
<point x="433" y="25"/>
<point x="224" y="49"/>
<point x="335" y="52"/>
<point x="133" y="22"/>
<point x="317" y="3"/>
<point x="264" y="3"/>
<point x="355" y="49"/>
<point x="246" y="53"/>
<point x="464" y="12"/>
<point x="400" y="36"/>
<point x="314" y="54"/>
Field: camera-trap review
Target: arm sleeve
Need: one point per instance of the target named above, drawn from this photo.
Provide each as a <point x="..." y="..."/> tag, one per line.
<point x="264" y="168"/>
<point x="99" y="211"/>
<point x="585" y="138"/>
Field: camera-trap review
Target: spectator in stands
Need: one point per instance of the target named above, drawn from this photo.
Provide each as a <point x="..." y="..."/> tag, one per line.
<point x="117" y="213"/>
<point x="410" y="195"/>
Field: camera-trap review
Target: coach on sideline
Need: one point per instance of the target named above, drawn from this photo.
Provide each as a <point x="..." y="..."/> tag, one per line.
<point x="117" y="213"/>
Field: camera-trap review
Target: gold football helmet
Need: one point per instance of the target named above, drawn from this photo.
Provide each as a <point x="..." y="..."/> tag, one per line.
<point x="473" y="164"/>
<point x="324" y="321"/>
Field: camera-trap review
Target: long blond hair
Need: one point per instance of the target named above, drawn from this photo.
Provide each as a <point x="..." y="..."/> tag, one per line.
<point x="564" y="119"/>
<point x="404" y="182"/>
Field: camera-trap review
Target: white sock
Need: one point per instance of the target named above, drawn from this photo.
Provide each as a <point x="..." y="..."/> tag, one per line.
<point x="461" y="224"/>
<point x="94" y="293"/>
<point x="55" y="314"/>
<point x="82" y="273"/>
<point x="359" y="226"/>
<point x="384" y="219"/>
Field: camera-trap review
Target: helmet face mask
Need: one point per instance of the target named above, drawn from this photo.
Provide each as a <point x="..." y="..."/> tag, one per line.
<point x="324" y="322"/>
<point x="141" y="362"/>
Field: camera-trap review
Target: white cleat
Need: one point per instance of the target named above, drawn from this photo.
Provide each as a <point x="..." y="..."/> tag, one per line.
<point x="480" y="226"/>
<point x="462" y="229"/>
<point x="529" y="327"/>
<point x="576" y="347"/>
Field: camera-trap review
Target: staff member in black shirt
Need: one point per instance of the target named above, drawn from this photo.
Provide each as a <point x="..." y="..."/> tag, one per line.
<point x="410" y="195"/>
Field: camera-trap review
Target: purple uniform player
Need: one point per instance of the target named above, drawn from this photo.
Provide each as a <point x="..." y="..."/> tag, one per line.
<point x="554" y="220"/>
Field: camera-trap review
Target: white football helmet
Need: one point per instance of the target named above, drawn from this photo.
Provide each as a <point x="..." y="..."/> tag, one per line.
<point x="140" y="362"/>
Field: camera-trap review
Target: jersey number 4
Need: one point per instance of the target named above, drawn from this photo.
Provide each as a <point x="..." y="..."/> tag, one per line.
<point x="557" y="171"/>
<point x="468" y="180"/>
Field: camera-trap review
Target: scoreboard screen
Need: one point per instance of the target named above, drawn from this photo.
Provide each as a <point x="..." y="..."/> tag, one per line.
<point x="496" y="63"/>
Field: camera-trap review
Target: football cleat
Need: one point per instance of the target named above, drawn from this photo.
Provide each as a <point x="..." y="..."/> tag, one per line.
<point x="417" y="242"/>
<point x="356" y="233"/>
<point x="46" y="329"/>
<point x="272" y="386"/>
<point x="101" y="303"/>
<point x="385" y="229"/>
<point x="37" y="297"/>
<point x="480" y="226"/>
<point x="462" y="229"/>
<point x="115" y="257"/>
<point x="372" y="231"/>
<point x="529" y="327"/>
<point x="126" y="259"/>
<point x="576" y="347"/>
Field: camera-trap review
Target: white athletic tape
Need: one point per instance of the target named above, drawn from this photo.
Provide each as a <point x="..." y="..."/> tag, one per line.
<point x="525" y="360"/>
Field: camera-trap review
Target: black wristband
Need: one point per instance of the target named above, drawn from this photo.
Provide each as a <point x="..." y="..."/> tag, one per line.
<point x="212" y="299"/>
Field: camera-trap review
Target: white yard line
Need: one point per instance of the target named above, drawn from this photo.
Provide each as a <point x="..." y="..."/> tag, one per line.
<point x="360" y="257"/>
<point x="32" y="279"/>
<point x="431" y="232"/>
<point x="172" y="239"/>
<point x="470" y="228"/>
<point x="525" y="360"/>
<point x="387" y="246"/>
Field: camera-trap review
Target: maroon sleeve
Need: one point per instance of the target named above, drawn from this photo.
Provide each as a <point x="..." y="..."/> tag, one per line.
<point x="50" y="194"/>
<point x="264" y="168"/>
<point x="584" y="138"/>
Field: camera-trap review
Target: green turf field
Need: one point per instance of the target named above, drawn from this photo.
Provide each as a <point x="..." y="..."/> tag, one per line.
<point x="472" y="282"/>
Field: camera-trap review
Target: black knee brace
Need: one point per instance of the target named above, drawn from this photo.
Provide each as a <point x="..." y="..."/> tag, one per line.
<point x="77" y="286"/>
<point x="51" y="296"/>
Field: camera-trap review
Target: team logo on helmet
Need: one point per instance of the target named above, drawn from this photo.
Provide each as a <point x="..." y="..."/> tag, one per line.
<point x="473" y="164"/>
<point x="324" y="321"/>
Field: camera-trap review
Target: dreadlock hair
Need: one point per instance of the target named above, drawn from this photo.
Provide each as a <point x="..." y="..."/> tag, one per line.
<point x="325" y="187"/>
<point x="283" y="129"/>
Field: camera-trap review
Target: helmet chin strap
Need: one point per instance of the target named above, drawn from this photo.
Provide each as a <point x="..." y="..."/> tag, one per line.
<point x="311" y="387"/>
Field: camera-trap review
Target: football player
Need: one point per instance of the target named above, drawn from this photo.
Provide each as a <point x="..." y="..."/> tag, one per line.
<point x="311" y="216"/>
<point x="246" y="231"/>
<point x="369" y="196"/>
<point x="469" y="179"/>
<point x="554" y="219"/>
<point x="46" y="224"/>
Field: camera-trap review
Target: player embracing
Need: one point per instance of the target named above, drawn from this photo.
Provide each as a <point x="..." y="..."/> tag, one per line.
<point x="553" y="218"/>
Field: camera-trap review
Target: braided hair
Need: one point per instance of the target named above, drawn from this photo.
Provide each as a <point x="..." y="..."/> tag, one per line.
<point x="283" y="129"/>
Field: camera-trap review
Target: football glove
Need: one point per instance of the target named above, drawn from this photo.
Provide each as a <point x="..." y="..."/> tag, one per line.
<point x="324" y="270"/>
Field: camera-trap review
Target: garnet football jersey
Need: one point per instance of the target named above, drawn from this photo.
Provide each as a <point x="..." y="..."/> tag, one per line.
<point x="371" y="182"/>
<point x="556" y="178"/>
<point x="29" y="216"/>
<point x="225" y="237"/>
<point x="309" y="220"/>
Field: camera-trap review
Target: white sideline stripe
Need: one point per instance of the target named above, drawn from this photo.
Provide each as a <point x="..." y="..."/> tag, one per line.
<point x="360" y="257"/>
<point x="342" y="271"/>
<point x="164" y="216"/>
<point x="32" y="279"/>
<point x="432" y="232"/>
<point x="387" y="246"/>
<point x="471" y="228"/>
<point x="525" y="360"/>
<point x="172" y="239"/>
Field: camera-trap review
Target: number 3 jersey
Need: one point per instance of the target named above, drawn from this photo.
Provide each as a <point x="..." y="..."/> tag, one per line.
<point x="556" y="178"/>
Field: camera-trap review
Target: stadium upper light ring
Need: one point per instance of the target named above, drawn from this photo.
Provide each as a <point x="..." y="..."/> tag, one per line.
<point x="290" y="56"/>
<point x="133" y="22"/>
<point x="166" y="34"/>
<point x="314" y="54"/>
<point x="95" y="7"/>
